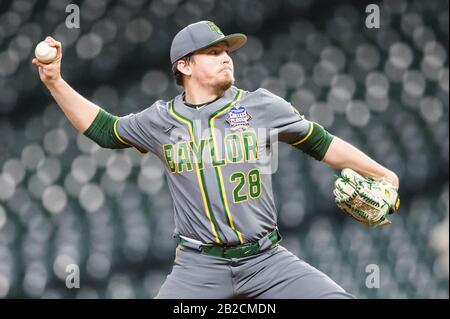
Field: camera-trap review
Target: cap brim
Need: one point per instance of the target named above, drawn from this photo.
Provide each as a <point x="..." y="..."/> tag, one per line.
<point x="234" y="41"/>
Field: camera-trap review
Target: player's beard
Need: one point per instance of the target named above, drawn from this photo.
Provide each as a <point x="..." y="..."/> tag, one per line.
<point x="224" y="82"/>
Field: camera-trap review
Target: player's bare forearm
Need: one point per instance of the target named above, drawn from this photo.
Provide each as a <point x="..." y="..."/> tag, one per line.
<point x="342" y="155"/>
<point x="80" y="111"/>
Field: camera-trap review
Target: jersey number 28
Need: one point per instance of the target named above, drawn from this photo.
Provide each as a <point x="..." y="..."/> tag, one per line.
<point x="253" y="182"/>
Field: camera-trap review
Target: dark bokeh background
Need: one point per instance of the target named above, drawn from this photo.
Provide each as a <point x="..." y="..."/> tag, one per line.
<point x="64" y="200"/>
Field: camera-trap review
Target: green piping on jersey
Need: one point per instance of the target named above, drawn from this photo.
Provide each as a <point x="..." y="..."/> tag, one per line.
<point x="219" y="176"/>
<point x="200" y="175"/>
<point x="316" y="142"/>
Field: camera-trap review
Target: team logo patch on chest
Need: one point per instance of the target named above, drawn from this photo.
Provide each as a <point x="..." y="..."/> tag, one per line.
<point x="238" y="118"/>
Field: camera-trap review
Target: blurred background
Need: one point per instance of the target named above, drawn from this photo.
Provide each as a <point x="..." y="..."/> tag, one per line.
<point x="65" y="200"/>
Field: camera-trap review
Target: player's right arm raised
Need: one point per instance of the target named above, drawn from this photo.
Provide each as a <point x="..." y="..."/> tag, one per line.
<point x="87" y="117"/>
<point x="80" y="111"/>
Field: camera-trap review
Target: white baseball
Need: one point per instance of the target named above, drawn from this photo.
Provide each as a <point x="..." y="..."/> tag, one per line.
<point x="45" y="53"/>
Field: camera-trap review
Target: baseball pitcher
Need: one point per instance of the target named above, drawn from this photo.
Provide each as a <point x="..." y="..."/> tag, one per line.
<point x="213" y="139"/>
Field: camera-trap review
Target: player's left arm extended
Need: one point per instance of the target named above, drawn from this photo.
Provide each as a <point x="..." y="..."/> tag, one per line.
<point x="341" y="154"/>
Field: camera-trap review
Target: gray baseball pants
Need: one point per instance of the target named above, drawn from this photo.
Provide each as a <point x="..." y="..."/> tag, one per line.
<point x="274" y="273"/>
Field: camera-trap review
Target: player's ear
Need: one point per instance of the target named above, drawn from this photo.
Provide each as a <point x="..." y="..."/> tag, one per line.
<point x="184" y="67"/>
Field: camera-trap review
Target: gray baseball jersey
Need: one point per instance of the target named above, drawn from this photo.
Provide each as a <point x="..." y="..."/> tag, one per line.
<point x="216" y="160"/>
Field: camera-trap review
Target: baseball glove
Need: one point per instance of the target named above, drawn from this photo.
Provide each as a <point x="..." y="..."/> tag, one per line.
<point x="365" y="199"/>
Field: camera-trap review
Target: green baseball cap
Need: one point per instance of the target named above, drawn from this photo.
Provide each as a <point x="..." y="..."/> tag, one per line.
<point x="200" y="35"/>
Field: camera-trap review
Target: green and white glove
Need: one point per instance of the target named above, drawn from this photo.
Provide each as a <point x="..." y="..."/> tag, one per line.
<point x="367" y="200"/>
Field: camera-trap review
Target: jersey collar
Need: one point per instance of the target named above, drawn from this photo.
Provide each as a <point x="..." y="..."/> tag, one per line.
<point x="208" y="108"/>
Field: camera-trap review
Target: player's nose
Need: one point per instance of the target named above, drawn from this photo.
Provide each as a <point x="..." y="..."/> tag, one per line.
<point x="226" y="59"/>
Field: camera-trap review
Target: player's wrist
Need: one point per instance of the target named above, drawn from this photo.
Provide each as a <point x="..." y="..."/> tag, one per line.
<point x="54" y="83"/>
<point x="392" y="179"/>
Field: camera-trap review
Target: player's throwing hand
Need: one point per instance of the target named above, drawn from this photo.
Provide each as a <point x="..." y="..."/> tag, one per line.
<point x="50" y="72"/>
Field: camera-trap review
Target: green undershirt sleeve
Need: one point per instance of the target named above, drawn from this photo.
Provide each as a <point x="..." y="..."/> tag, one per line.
<point x="316" y="142"/>
<point x="101" y="131"/>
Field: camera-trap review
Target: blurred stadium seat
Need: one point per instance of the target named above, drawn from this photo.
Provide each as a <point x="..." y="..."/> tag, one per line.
<point x="65" y="200"/>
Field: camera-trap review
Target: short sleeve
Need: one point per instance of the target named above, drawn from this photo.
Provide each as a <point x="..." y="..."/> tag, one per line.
<point x="291" y="126"/>
<point x="138" y="130"/>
